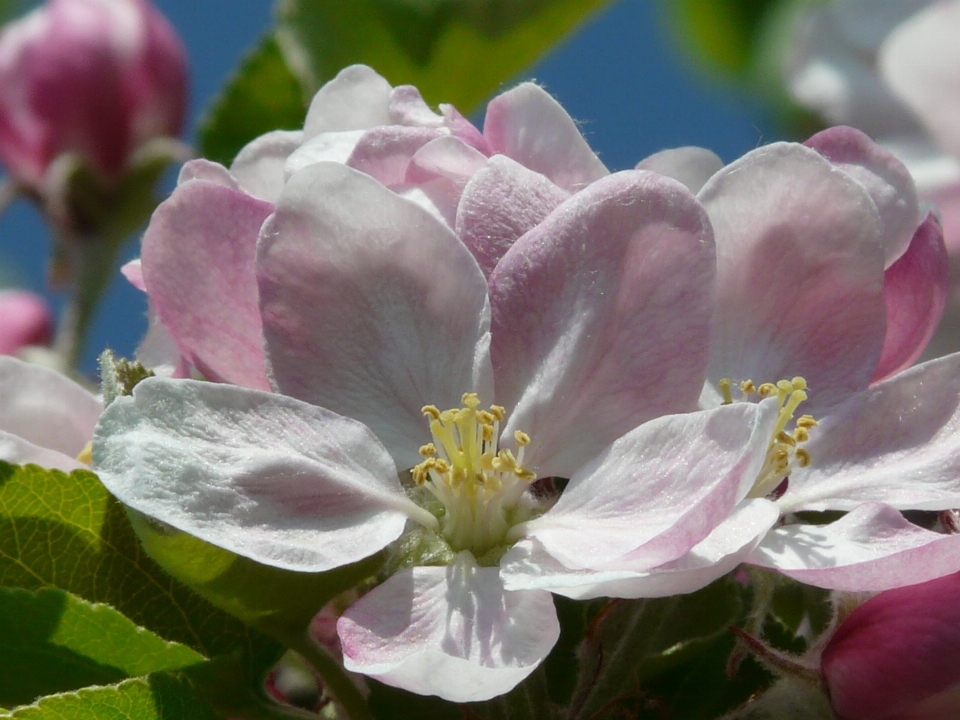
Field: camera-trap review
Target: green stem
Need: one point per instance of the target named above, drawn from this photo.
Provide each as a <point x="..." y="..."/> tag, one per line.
<point x="335" y="679"/>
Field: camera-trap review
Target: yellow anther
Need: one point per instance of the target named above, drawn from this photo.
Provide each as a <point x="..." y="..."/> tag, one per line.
<point x="498" y="412"/>
<point x="806" y="422"/>
<point x="428" y="450"/>
<point x="471" y="400"/>
<point x="724" y="385"/>
<point x="801" y="435"/>
<point x="522" y="438"/>
<point x="799" y="383"/>
<point x="487" y="433"/>
<point x="766" y="390"/>
<point x="440" y="465"/>
<point x="782" y="437"/>
<point x="524" y="474"/>
<point x="486" y="461"/>
<point x="86" y="455"/>
<point x="484" y="417"/>
<point x="785" y="385"/>
<point x="431" y="411"/>
<point x="747" y="387"/>
<point x="803" y="457"/>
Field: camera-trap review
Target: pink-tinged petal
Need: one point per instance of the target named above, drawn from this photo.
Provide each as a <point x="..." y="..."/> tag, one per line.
<point x="158" y="350"/>
<point x="528" y="125"/>
<point x="45" y="408"/>
<point x="263" y="475"/>
<point x="870" y="549"/>
<point x="407" y="107"/>
<point x="464" y="130"/>
<point x="919" y="61"/>
<point x="133" y="272"/>
<point x="202" y="169"/>
<point x="692" y="166"/>
<point x="326" y="147"/>
<point x="356" y="99"/>
<point x="198" y="264"/>
<point x="25" y="319"/>
<point x="659" y="490"/>
<point x="447" y="157"/>
<point x="946" y="339"/>
<point x="439" y="197"/>
<point x="371" y="307"/>
<point x="799" y="273"/>
<point x="449" y="631"/>
<point x="17" y="451"/>
<point x="528" y="566"/>
<point x="897" y="656"/>
<point x="385" y="152"/>
<point x="258" y="167"/>
<point x="896" y="443"/>
<point x="601" y="317"/>
<point x="503" y="201"/>
<point x="888" y="181"/>
<point x="915" y="292"/>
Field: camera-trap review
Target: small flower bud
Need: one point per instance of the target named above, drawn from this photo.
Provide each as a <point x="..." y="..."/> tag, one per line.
<point x="25" y="319"/>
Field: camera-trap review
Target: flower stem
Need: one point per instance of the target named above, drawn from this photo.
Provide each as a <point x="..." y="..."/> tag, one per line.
<point x="335" y="679"/>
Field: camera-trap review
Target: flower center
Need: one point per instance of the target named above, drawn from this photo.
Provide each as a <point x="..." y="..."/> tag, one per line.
<point x="482" y="489"/>
<point x="784" y="452"/>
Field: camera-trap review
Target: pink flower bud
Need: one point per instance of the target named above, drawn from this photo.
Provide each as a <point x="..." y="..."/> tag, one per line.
<point x="95" y="77"/>
<point x="897" y="656"/>
<point x="25" y="319"/>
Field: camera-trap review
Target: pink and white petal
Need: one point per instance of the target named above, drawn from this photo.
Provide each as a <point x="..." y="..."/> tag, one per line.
<point x="326" y="147"/>
<point x="799" y="273"/>
<point x="133" y="272"/>
<point x="263" y="475"/>
<point x="407" y="107"/>
<point x="657" y="491"/>
<point x="371" y="306"/>
<point x="919" y="61"/>
<point x="915" y="290"/>
<point x="692" y="166"/>
<point x="259" y="166"/>
<point x="198" y="260"/>
<point x="17" y="451"/>
<point x="449" y="631"/>
<point x="158" y="350"/>
<point x="601" y="317"/>
<point x="464" y="130"/>
<point x="356" y="99"/>
<point x="448" y="157"/>
<point x="529" y="126"/>
<point x="439" y="197"/>
<point x="385" y="152"/>
<point x="45" y="408"/>
<point x="870" y="549"/>
<point x="202" y="169"/>
<point x="888" y="181"/>
<point x="528" y="566"/>
<point x="896" y="443"/>
<point x="501" y="202"/>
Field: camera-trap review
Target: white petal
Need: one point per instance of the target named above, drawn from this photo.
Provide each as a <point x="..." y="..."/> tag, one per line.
<point x="201" y="169"/>
<point x="528" y="566"/>
<point x="263" y="475"/>
<point x="326" y="147"/>
<point x="449" y="631"/>
<point x="692" y="166"/>
<point x="45" y="408"/>
<point x="897" y="443"/>
<point x="371" y="307"/>
<point x="17" y="451"/>
<point x="258" y="167"/>
<point x="659" y="490"/>
<point x="873" y="548"/>
<point x="356" y="99"/>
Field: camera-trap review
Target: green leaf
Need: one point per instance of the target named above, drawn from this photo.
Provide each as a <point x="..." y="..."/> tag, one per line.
<point x="455" y="51"/>
<point x="630" y="642"/>
<point x="262" y="96"/>
<point x="67" y="531"/>
<point x="161" y="696"/>
<point x="52" y="641"/>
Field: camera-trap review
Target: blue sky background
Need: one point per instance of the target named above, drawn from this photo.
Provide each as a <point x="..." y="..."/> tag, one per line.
<point x="620" y="75"/>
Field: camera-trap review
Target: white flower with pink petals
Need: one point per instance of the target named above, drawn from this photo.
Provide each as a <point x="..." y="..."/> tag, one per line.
<point x="389" y="351"/>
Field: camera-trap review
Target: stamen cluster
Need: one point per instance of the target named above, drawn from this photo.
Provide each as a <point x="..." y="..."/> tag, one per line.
<point x="479" y="485"/>
<point x="784" y="452"/>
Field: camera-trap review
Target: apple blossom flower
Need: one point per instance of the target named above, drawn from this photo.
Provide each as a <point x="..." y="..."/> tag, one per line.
<point x="200" y="248"/>
<point x="97" y="78"/>
<point x="828" y="286"/>
<point x="392" y="356"/>
<point x="45" y="418"/>
<point x="897" y="656"/>
<point x="890" y="69"/>
<point x="25" y="319"/>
